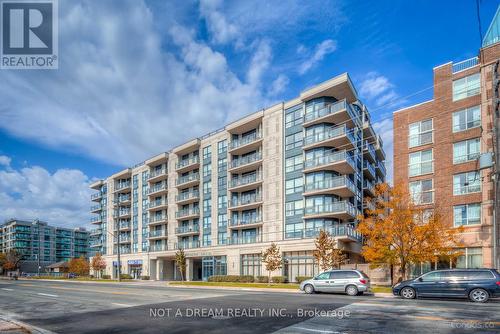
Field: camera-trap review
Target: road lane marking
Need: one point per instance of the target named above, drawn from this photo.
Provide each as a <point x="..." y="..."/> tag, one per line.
<point x="123" y="305"/>
<point x="46" y="294"/>
<point x="7" y="289"/>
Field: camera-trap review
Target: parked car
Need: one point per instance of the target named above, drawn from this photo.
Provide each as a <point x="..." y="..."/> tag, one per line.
<point x="476" y="284"/>
<point x="352" y="282"/>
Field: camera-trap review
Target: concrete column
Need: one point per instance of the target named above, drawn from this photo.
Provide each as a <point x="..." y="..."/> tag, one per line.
<point x="189" y="269"/>
<point x="159" y="269"/>
<point x="152" y="269"/>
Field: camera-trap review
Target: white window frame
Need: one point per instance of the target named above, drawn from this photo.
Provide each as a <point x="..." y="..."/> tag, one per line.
<point x="468" y="90"/>
<point x="420" y="134"/>
<point x="468" y="124"/>
<point x="458" y="187"/>
<point x="456" y="224"/>
<point x="431" y="161"/>
<point x="298" y="186"/>
<point x="296" y="163"/>
<point x="468" y="156"/>
<point x="418" y="197"/>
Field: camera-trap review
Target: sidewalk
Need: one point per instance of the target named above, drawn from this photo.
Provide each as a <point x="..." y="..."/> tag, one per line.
<point x="11" y="326"/>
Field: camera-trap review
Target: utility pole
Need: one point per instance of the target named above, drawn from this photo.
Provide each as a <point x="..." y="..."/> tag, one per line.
<point x="118" y="253"/>
<point x="37" y="222"/>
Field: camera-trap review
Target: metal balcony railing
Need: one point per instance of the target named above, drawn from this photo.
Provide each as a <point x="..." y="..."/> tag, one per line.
<point x="331" y="182"/>
<point x="246" y="160"/>
<point x="235" y="143"/>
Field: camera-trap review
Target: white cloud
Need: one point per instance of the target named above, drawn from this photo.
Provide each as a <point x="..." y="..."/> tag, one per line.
<point x="60" y="198"/>
<point x="279" y="85"/>
<point x="4" y="160"/>
<point x="385" y="129"/>
<point x="378" y="89"/>
<point x="220" y="29"/>
<point x="322" y="49"/>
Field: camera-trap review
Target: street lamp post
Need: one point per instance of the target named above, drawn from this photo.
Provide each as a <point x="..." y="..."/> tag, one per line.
<point x="118" y="253"/>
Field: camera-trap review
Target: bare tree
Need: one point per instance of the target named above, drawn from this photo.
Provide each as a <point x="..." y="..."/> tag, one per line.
<point x="272" y="259"/>
<point x="180" y="262"/>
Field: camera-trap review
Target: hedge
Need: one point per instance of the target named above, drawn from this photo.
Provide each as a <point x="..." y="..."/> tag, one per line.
<point x="261" y="279"/>
<point x="300" y="279"/>
<point x="145" y="278"/>
<point x="106" y="276"/>
<point x="231" y="278"/>
<point x="279" y="279"/>
<point x="125" y="276"/>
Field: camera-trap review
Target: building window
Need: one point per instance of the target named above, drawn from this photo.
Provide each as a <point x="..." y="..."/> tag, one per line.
<point x="250" y="264"/>
<point x="466" y="119"/>
<point x="299" y="264"/>
<point x="207" y="170"/>
<point x="293" y="141"/>
<point x="421" y="163"/>
<point x="470" y="258"/>
<point x="294" y="117"/>
<point x="465" y="87"/>
<point x="207" y="188"/>
<point x="222" y="183"/>
<point x="466" y="183"/>
<point x="222" y="202"/>
<point x="222" y="147"/>
<point x="420" y="133"/>
<point x="422" y="191"/>
<point x="207" y="152"/>
<point x="294" y="208"/>
<point x="222" y="220"/>
<point x="467" y="214"/>
<point x="207" y="206"/>
<point x="466" y="150"/>
<point x="222" y="238"/>
<point x="294" y="186"/>
<point x="294" y="163"/>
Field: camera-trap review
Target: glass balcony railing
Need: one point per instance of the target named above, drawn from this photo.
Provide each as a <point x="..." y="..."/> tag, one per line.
<point x="96" y="231"/>
<point x="245" y="221"/>
<point x="188" y="195"/>
<point x="187" y="212"/>
<point x="246" y="160"/>
<point x="158" y="187"/>
<point x="235" y="143"/>
<point x="332" y="208"/>
<point x="329" y="133"/>
<point x="122" y="185"/>
<point x="330" y="158"/>
<point x="187" y="229"/>
<point x="158" y="248"/>
<point x="186" y="162"/>
<point x="244" y="180"/>
<point x="370" y="149"/>
<point x="244" y="200"/>
<point x="187" y="245"/>
<point x="331" y="109"/>
<point x="188" y="178"/>
<point x="330" y="183"/>
<point x="157" y="172"/>
<point x="97" y="207"/>
<point x="95" y="196"/>
<point x="244" y="240"/>
<point x="154" y="204"/>
<point x="95" y="219"/>
<point x="369" y="167"/>
<point x="157" y="233"/>
<point x="157" y="218"/>
<point x="335" y="231"/>
<point x="381" y="167"/>
<point x="124" y="225"/>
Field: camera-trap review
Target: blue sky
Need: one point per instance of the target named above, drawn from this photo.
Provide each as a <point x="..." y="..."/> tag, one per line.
<point x="130" y="70"/>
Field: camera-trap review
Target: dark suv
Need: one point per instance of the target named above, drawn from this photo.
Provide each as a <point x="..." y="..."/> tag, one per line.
<point x="476" y="284"/>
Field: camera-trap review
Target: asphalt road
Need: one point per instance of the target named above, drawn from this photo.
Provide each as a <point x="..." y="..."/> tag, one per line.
<point x="74" y="307"/>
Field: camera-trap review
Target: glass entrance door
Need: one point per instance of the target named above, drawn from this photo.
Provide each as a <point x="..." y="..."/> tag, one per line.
<point x="207" y="268"/>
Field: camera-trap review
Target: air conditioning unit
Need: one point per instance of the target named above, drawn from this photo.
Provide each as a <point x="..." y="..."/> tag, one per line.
<point x="486" y="160"/>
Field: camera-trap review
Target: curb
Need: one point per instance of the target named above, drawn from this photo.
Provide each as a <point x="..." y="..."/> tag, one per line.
<point x="19" y="326"/>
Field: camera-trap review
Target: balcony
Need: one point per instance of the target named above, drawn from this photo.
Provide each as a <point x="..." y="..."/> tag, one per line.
<point x="157" y="205"/>
<point x="335" y="136"/>
<point x="189" y="180"/>
<point x="380" y="169"/>
<point x="158" y="234"/>
<point x="246" y="144"/>
<point x="122" y="213"/>
<point x="124" y="239"/>
<point x="188" y="164"/>
<point x="96" y="208"/>
<point x="187" y="245"/>
<point x="247" y="182"/>
<point x="123" y="226"/>
<point x="369" y="170"/>
<point x="245" y="202"/>
<point x="368" y="205"/>
<point x="96" y="220"/>
<point x="369" y="188"/>
<point x="158" y="248"/>
<point x="342" y="233"/>
<point x="158" y="189"/>
<point x="339" y="185"/>
<point x="188" y="230"/>
<point x="96" y="231"/>
<point x="122" y="186"/>
<point x="379" y="149"/>
<point x="188" y="197"/>
<point x="245" y="222"/>
<point x="96" y="197"/>
<point x="464" y="65"/>
<point x="244" y="240"/>
<point x="157" y="174"/>
<point x="188" y="213"/>
<point x="338" y="112"/>
<point x="339" y="161"/>
<point x="369" y="152"/>
<point x="123" y="200"/>
<point x="341" y="210"/>
<point x="157" y="219"/>
<point x="246" y="164"/>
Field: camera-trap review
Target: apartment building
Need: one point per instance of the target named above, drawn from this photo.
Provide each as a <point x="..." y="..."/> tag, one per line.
<point x="279" y="175"/>
<point x="38" y="240"/>
<point x="437" y="149"/>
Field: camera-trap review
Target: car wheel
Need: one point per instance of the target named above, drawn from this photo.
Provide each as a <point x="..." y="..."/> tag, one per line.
<point x="479" y="295"/>
<point x="351" y="290"/>
<point x="360" y="293"/>
<point x="309" y="289"/>
<point x="408" y="293"/>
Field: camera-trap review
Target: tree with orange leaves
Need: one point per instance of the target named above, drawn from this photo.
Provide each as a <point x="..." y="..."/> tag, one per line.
<point x="79" y="266"/>
<point x="399" y="232"/>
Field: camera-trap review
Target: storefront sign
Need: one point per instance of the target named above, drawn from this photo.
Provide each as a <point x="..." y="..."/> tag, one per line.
<point x="134" y="262"/>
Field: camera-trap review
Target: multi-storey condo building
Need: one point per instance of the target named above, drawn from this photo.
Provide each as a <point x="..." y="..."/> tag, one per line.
<point x="278" y="175"/>
<point x="437" y="148"/>
<point x="37" y="240"/>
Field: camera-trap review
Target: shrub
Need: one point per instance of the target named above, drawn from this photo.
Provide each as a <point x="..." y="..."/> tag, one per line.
<point x="146" y="278"/>
<point x="279" y="279"/>
<point x="231" y="278"/>
<point x="125" y="276"/>
<point x="106" y="276"/>
<point x="301" y="279"/>
<point x="261" y="279"/>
